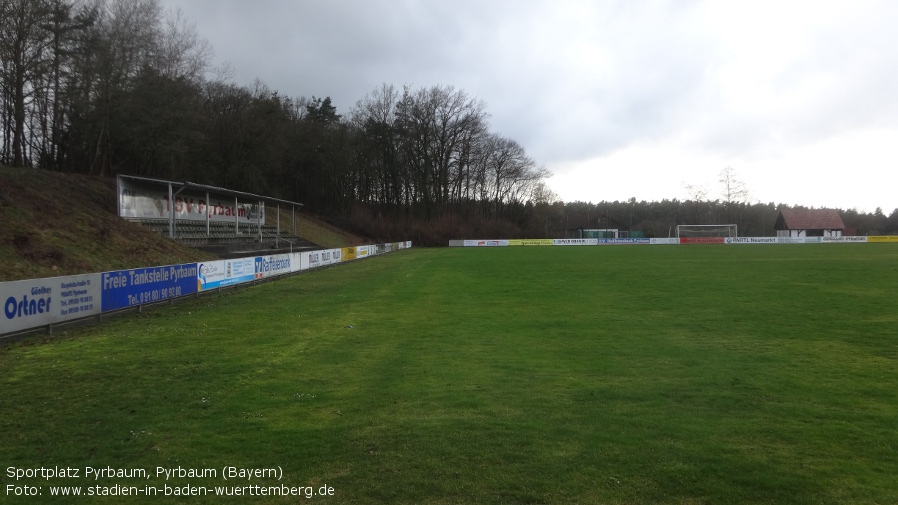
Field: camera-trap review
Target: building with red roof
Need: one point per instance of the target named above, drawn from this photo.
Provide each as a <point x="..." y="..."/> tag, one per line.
<point x="799" y="223"/>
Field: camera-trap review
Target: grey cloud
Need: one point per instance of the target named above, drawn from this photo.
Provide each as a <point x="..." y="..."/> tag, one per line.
<point x="573" y="80"/>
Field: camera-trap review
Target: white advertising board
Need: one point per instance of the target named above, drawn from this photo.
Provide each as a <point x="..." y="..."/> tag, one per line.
<point x="620" y="241"/>
<point x="844" y="239"/>
<point x="575" y="241"/>
<point x="486" y="243"/>
<point x="274" y="265"/>
<point x="331" y="256"/>
<point x="39" y="302"/>
<point x="799" y="240"/>
<point x="313" y="259"/>
<point x="751" y="240"/>
<point x="151" y="202"/>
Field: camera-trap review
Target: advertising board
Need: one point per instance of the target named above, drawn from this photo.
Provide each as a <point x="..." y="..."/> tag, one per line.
<point x="331" y="256"/>
<point x="575" y="241"/>
<point x="313" y="258"/>
<point x="348" y="254"/>
<point x="151" y="202"/>
<point x="130" y="288"/>
<point x="221" y="273"/>
<point x="337" y="256"/>
<point x="664" y="241"/>
<point x="883" y="238"/>
<point x="844" y="239"/>
<point x="701" y="240"/>
<point x="620" y="241"/>
<point x="486" y="243"/>
<point x="535" y="241"/>
<point x="751" y="240"/>
<point x="33" y="303"/>
<point x="799" y="240"/>
<point x="273" y="265"/>
<point x="39" y="302"/>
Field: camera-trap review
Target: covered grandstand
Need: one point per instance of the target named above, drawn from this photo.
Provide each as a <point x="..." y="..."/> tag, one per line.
<point x="219" y="220"/>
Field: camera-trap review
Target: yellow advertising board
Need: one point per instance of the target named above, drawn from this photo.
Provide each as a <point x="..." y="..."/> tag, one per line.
<point x="347" y="254"/>
<point x="883" y="238"/>
<point x="535" y="241"/>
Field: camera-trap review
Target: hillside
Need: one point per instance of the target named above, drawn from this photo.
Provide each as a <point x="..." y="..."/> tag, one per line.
<point x="53" y="223"/>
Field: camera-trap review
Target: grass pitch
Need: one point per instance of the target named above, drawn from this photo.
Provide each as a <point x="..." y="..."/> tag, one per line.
<point x="626" y="374"/>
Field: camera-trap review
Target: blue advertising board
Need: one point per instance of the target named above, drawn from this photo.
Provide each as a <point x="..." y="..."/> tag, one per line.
<point x="129" y="288"/>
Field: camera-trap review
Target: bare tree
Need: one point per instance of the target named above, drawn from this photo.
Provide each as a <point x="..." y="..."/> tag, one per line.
<point x="24" y="43"/>
<point x="699" y="202"/>
<point x="67" y="23"/>
<point x="181" y="53"/>
<point x="510" y="172"/>
<point x="436" y="126"/>
<point x="734" y="193"/>
<point x="127" y="32"/>
<point x="732" y="188"/>
<point x="541" y="193"/>
<point x="696" y="192"/>
<point x="375" y="116"/>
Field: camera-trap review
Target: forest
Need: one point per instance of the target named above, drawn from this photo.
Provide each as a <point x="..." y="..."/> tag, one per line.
<point x="106" y="87"/>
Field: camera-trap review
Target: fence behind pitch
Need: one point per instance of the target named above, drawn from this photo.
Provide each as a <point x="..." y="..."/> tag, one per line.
<point x="42" y="303"/>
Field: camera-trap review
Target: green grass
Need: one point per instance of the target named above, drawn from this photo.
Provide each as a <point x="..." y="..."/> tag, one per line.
<point x="705" y="374"/>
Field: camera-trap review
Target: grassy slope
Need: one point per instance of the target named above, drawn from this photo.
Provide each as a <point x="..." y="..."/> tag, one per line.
<point x="316" y="230"/>
<point x="58" y="224"/>
<point x="684" y="375"/>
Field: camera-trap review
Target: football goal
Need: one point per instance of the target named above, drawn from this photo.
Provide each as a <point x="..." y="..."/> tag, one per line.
<point x="707" y="230"/>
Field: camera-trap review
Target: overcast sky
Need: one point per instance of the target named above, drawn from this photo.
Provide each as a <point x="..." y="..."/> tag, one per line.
<point x="617" y="99"/>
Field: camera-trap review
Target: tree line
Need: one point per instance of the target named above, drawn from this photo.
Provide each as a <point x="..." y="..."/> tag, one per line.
<point x="733" y="206"/>
<point x="660" y="218"/>
<point x="105" y="87"/>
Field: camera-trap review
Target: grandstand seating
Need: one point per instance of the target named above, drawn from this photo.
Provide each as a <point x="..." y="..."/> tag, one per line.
<point x="223" y="239"/>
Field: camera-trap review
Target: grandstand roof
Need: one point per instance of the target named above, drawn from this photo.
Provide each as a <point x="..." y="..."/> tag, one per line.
<point x="213" y="189"/>
<point x="809" y="219"/>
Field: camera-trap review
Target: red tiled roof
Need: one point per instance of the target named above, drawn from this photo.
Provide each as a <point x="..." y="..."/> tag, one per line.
<point x="817" y="219"/>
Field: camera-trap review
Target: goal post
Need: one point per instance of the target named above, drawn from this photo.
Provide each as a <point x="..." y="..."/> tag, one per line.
<point x="707" y="230"/>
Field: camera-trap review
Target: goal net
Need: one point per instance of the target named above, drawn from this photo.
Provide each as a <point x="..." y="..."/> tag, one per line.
<point x="707" y="230"/>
